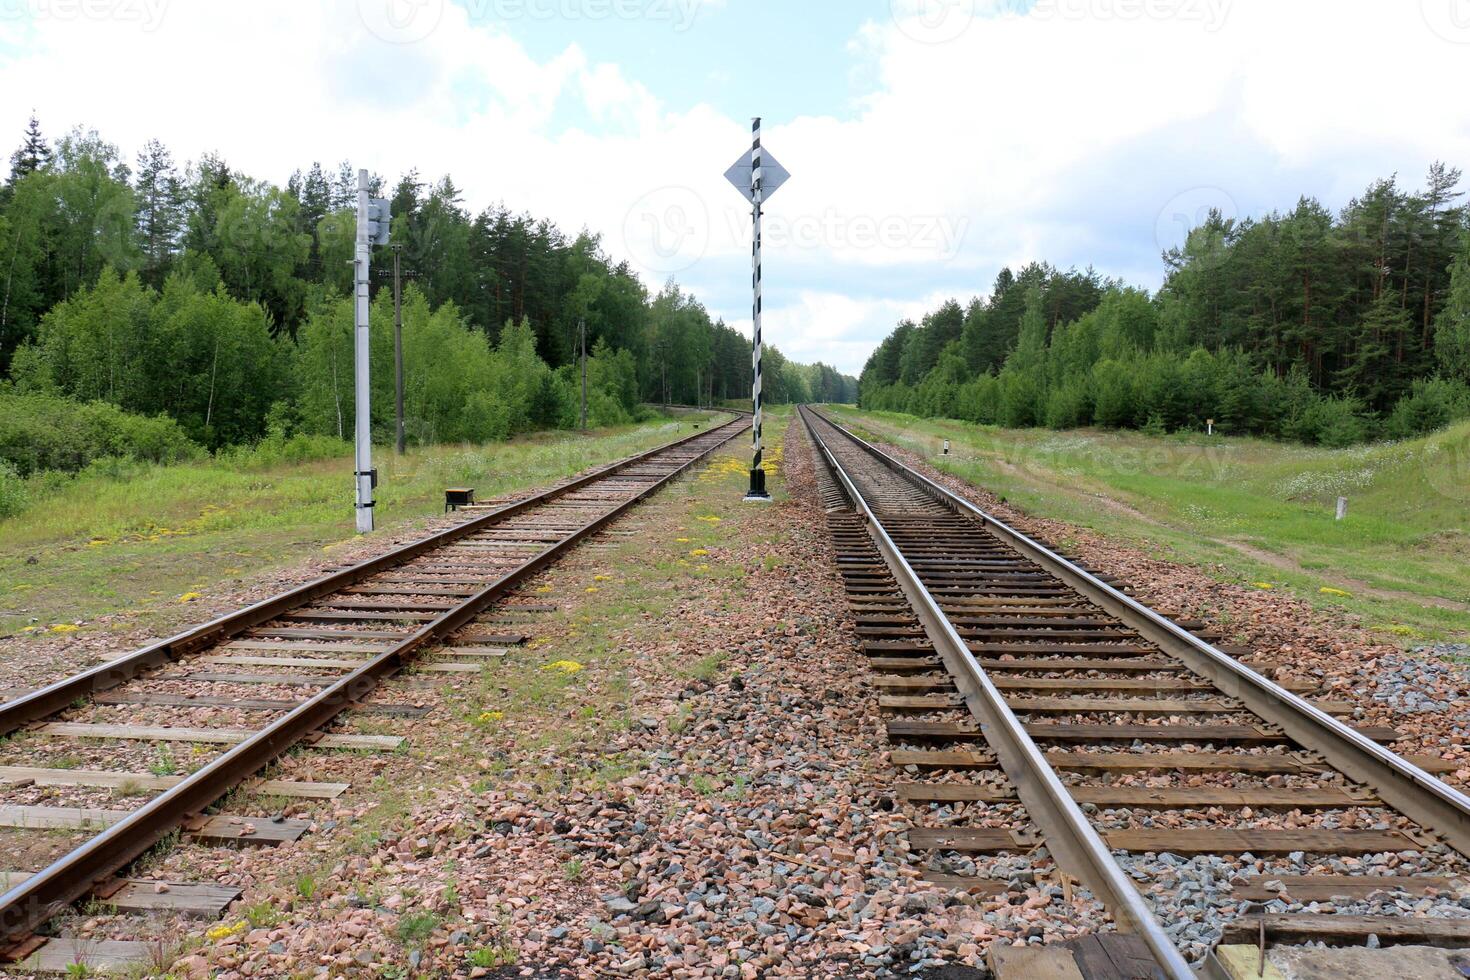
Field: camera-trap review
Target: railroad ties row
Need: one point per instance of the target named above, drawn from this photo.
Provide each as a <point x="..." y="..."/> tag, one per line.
<point x="1223" y="822"/>
<point x="75" y="774"/>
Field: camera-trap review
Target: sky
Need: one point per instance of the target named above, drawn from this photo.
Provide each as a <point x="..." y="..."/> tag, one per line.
<point x="931" y="142"/>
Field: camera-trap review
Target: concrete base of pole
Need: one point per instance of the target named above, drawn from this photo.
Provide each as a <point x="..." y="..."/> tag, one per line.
<point x="758" y="492"/>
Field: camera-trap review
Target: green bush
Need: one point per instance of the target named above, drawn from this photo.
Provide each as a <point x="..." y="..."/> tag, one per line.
<point x="277" y="449"/>
<point x="1331" y="422"/>
<point x="1115" y="397"/>
<point x="13" y="492"/>
<point x="1430" y="405"/>
<point x="41" y="432"/>
<point x="1068" y="406"/>
<point x="1022" y="401"/>
<point x="980" y="400"/>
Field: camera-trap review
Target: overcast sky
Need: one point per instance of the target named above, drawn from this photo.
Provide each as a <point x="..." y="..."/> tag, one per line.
<point x="930" y="142"/>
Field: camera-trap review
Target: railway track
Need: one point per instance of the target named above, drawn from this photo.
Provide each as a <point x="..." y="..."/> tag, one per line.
<point x="244" y="689"/>
<point x="1043" y="705"/>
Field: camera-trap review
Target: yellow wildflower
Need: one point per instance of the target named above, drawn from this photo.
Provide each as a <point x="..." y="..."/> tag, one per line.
<point x="1264" y="585"/>
<point x="564" y="666"/>
<point x="223" y="931"/>
<point x="593" y="588"/>
<point x="64" y="628"/>
<point x="699" y="553"/>
<point x="189" y="596"/>
<point x="1329" y="591"/>
<point x="486" y="717"/>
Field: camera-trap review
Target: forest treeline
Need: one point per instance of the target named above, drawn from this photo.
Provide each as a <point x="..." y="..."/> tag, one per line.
<point x="1327" y="328"/>
<point x="220" y="302"/>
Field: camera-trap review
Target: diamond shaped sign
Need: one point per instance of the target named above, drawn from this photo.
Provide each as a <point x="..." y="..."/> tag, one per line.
<point x="773" y="175"/>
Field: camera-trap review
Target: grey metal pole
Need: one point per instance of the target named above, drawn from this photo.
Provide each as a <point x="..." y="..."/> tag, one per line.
<point x="398" y="345"/>
<point x="363" y="476"/>
<point x="757" y="473"/>
<point x="663" y="367"/>
<point x="582" y="332"/>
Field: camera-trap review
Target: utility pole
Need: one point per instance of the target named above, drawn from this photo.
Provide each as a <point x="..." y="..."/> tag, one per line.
<point x="372" y="228"/>
<point x="398" y="344"/>
<point x="663" y="363"/>
<point x="582" y="332"/>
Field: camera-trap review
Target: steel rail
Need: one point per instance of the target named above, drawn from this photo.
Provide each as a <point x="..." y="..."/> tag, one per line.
<point x="63" y="694"/>
<point x="1069" y="834"/>
<point x="1430" y="802"/>
<point x="29" y="904"/>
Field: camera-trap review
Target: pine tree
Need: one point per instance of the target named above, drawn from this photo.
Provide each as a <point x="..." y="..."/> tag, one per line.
<point x="1374" y="370"/>
<point x="1452" y="329"/>
<point x="160" y="209"/>
<point x="1444" y="220"/>
<point x="344" y="190"/>
<point x="33" y="153"/>
<point x="1030" y="352"/>
<point x="315" y="195"/>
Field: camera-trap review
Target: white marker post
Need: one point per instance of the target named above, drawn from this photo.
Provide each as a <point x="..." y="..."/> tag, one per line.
<point x="372" y="229"/>
<point x="757" y="177"/>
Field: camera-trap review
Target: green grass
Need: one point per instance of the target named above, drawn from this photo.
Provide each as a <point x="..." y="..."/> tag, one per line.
<point x="148" y="544"/>
<point x="1246" y="510"/>
<point x="416" y="927"/>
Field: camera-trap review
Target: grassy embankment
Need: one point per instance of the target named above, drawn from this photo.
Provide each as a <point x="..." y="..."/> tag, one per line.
<point x="145" y="544"/>
<point x="1247" y="510"/>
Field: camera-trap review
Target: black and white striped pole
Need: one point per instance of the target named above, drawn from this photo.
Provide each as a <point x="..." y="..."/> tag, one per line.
<point x="757" y="473"/>
<point x="757" y="177"/>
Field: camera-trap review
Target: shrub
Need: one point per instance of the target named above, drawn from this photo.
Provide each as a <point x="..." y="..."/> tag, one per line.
<point x="1332" y="422"/>
<point x="1022" y="399"/>
<point x="1115" y="402"/>
<point x="276" y="449"/>
<point x="46" y="432"/>
<point x="1432" y="404"/>
<point x="1068" y="406"/>
<point x="979" y="400"/>
<point x="13" y="493"/>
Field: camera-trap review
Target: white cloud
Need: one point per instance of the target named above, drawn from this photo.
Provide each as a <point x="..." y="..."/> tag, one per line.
<point x="1071" y="132"/>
